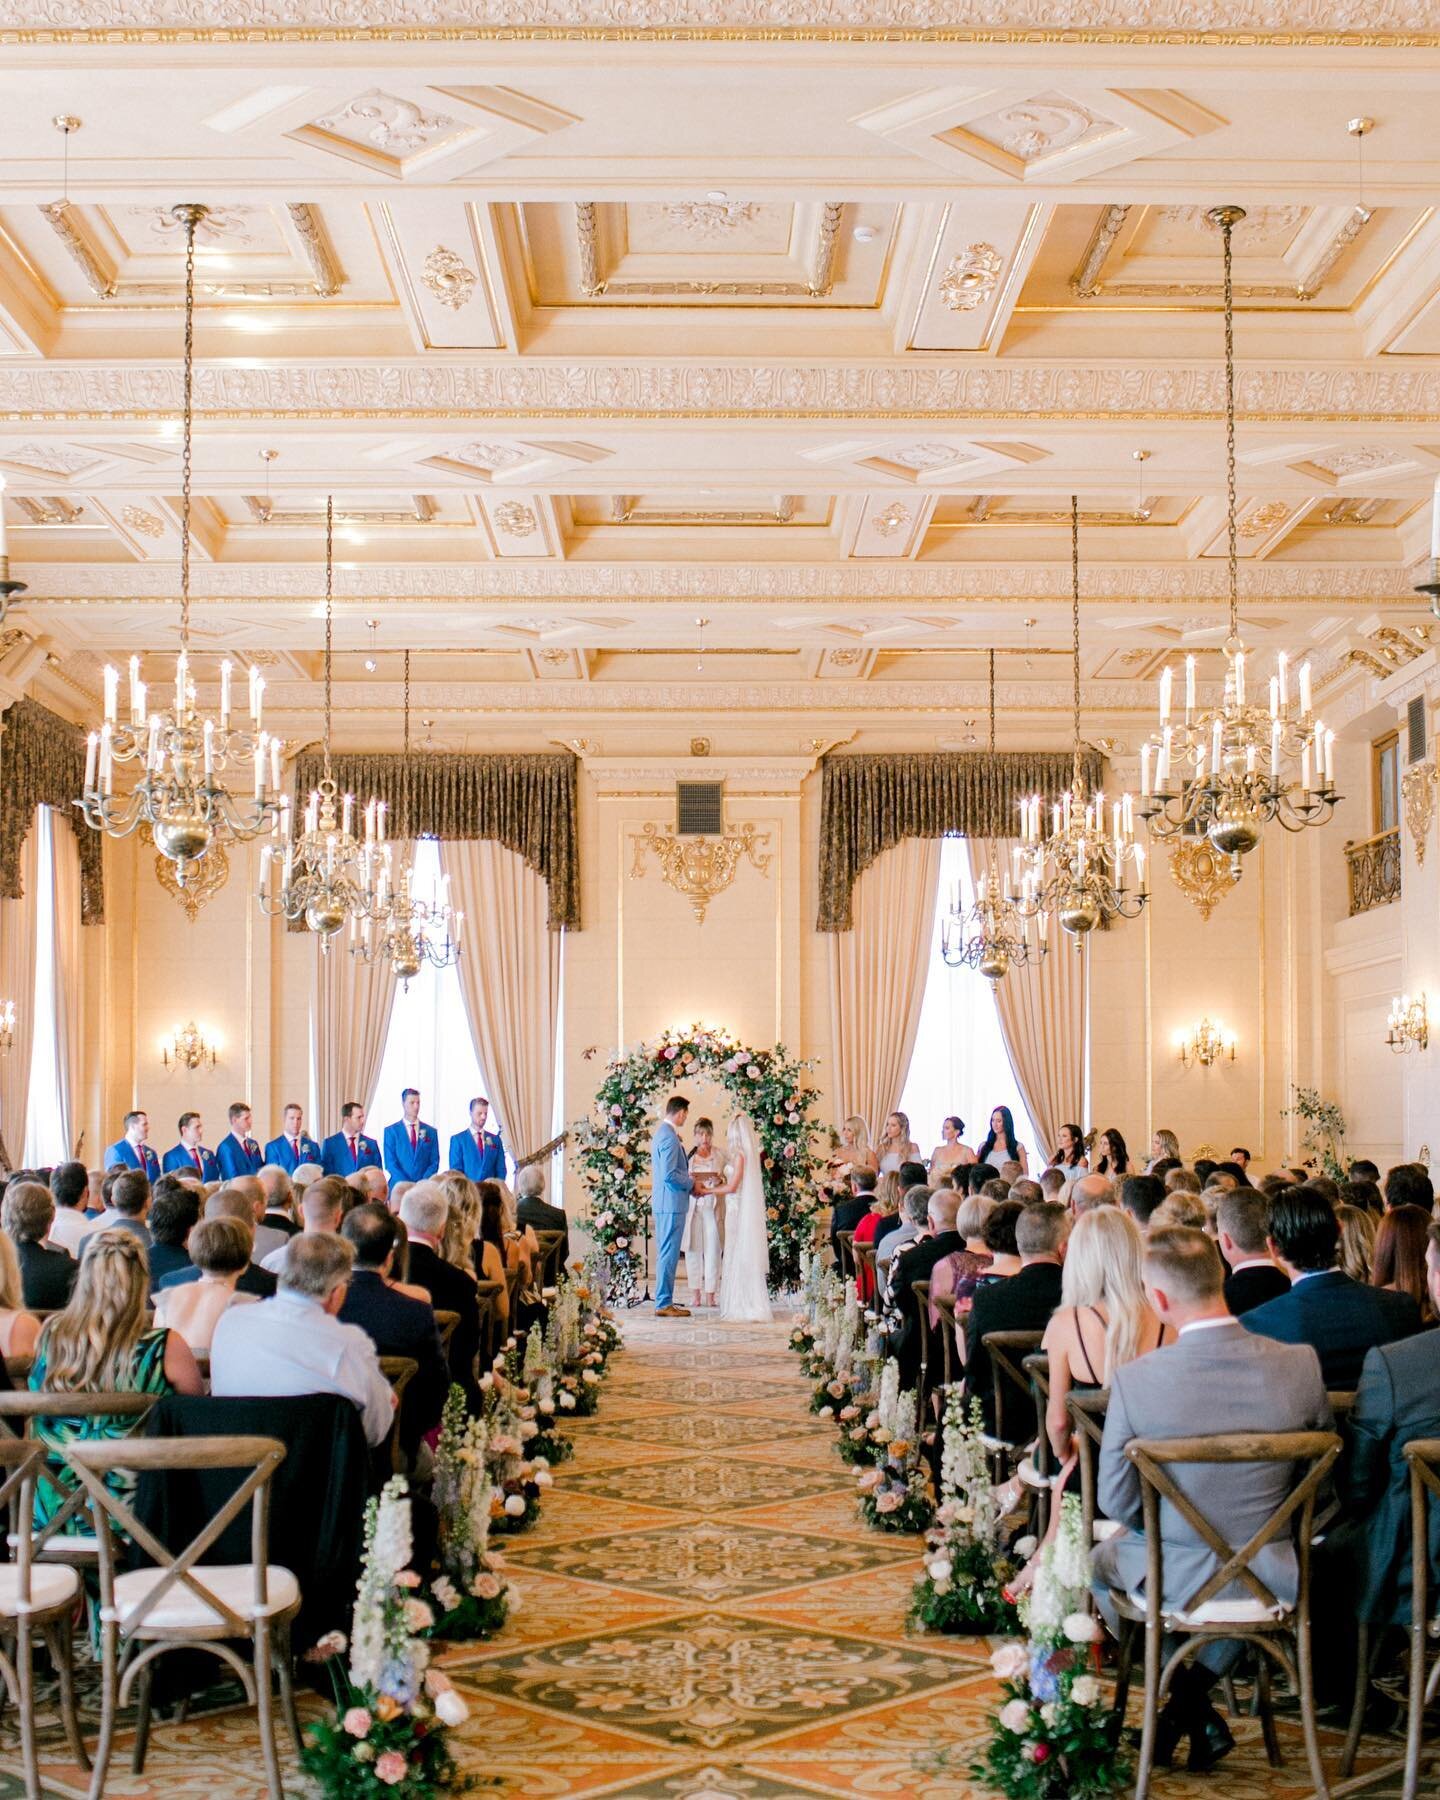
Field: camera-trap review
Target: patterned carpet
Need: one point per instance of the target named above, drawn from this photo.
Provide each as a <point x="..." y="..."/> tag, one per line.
<point x="703" y="1617"/>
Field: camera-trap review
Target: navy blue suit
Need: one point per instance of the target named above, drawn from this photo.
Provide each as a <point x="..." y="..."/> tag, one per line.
<point x="184" y="1160"/>
<point x="237" y="1160"/>
<point x="124" y="1152"/>
<point x="405" y="1164"/>
<point x="1339" y="1318"/>
<point x="401" y="1326"/>
<point x="278" y="1152"/>
<point x="335" y="1156"/>
<point x="467" y="1156"/>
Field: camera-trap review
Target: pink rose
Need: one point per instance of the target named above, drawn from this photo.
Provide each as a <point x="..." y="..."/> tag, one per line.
<point x="357" y="1722"/>
<point x="889" y="1502"/>
<point x="1039" y="1753"/>
<point x="485" y="1587"/>
<point x="390" y="1768"/>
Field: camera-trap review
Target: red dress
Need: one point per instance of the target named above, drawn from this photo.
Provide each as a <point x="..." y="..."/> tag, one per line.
<point x="865" y="1234"/>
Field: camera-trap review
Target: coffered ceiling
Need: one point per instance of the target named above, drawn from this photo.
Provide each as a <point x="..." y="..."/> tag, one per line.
<point x="717" y="356"/>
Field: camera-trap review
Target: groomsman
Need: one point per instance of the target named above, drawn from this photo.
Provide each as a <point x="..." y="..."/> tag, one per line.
<point x="190" y="1156"/>
<point x="349" y="1149"/>
<point x="132" y="1149"/>
<point x="412" y="1148"/>
<point x="477" y="1152"/>
<point x="237" y="1152"/>
<point x="294" y="1145"/>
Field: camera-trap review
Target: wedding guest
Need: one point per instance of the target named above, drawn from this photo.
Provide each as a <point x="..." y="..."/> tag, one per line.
<point x="129" y="1206"/>
<point x="251" y="1190"/>
<point x="18" y="1328"/>
<point x="1408" y="1184"/>
<point x="528" y="1307"/>
<point x="233" y="1203"/>
<point x="1053" y="1185"/>
<point x="914" y="1218"/>
<point x="913" y="1264"/>
<point x="956" y="1274"/>
<point x="1009" y="1172"/>
<point x="220" y="1251"/>
<point x="69" y="1188"/>
<point x="174" y="1214"/>
<point x="997" y="1233"/>
<point x="1204" y="1166"/>
<point x="47" y="1274"/>
<point x="425" y="1211"/>
<point x="1364" y="1194"/>
<point x="1242" y="1156"/>
<point x="536" y="1213"/>
<point x="1239" y="1178"/>
<point x="1179" y="1209"/>
<point x="850" y="1208"/>
<point x="1023" y="1301"/>
<point x="1089" y="1191"/>
<point x="1026" y="1191"/>
<point x="951" y="1151"/>
<point x="279" y="1191"/>
<point x="1242" y="1221"/>
<point x="322" y="1208"/>
<point x="896" y="1144"/>
<point x="237" y="1153"/>
<point x="1112" y="1158"/>
<point x="1398" y="1263"/>
<point x="1141" y="1196"/>
<point x="368" y="1184"/>
<point x="1001" y="1141"/>
<point x="492" y="1253"/>
<point x="1181" y="1181"/>
<point x="1358" y="1230"/>
<point x="884" y="1213"/>
<point x="396" y="1324"/>
<point x="1362" y="1169"/>
<point x="980" y="1173"/>
<point x="853" y="1153"/>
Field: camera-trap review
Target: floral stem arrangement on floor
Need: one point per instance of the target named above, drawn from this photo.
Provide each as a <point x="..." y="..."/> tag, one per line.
<point x="470" y="1594"/>
<point x="517" y="1478"/>
<point x="1053" y="1737"/>
<point x="963" y="1585"/>
<point x="392" y="1710"/>
<point x="896" y="1493"/>
<point x="613" y="1144"/>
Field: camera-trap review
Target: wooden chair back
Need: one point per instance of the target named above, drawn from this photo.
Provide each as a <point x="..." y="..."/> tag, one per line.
<point x="445" y="1323"/>
<point x="487" y="1298"/>
<point x="19" y="1413"/>
<point x="552" y="1249"/>
<point x="1007" y="1351"/>
<point x="20" y="1463"/>
<point x="949" y="1354"/>
<point x="867" y="1273"/>
<point x="1087" y="1419"/>
<point x="920" y="1290"/>
<point x="845" y="1244"/>
<point x="399" y="1371"/>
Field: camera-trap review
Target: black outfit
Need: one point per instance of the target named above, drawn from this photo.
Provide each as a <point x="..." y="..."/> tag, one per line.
<point x="1020" y="1302"/>
<point x="166" y="1259"/>
<point x="846" y="1214"/>
<point x="1248" y="1288"/>
<point x="279" y="1221"/>
<point x="914" y="1263"/>
<point x="401" y="1326"/>
<point x="544" y="1217"/>
<point x="1340" y="1319"/>
<point x="255" y="1280"/>
<point x="46" y="1275"/>
<point x="451" y="1290"/>
<point x="888" y="1222"/>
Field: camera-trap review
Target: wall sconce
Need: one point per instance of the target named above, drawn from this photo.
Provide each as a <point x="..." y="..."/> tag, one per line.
<point x="7" y="1025"/>
<point x="1408" y="1025"/>
<point x="1206" y="1043"/>
<point x="188" y="1050"/>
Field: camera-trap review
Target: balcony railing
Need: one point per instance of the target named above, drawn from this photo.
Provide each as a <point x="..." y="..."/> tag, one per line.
<point x="1374" y="869"/>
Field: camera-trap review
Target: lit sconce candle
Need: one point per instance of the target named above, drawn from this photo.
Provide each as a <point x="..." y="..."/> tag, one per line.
<point x="1282" y="675"/>
<point x="1305" y="768"/>
<point x="105" y="753"/>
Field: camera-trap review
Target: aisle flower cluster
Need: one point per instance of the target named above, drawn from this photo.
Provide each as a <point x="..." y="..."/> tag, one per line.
<point x="469" y="1593"/>
<point x="963" y="1586"/>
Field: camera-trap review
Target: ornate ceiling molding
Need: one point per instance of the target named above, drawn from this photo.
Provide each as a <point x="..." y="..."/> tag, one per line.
<point x="1333" y="393"/>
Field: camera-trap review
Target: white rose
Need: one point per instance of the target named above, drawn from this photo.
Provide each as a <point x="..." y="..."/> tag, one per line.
<point x="1085" y="1690"/>
<point x="1025" y="1547"/>
<point x="1015" y="1716"/>
<point x="543" y="1478"/>
<point x="1010" y="1662"/>
<point x="1081" y="1628"/>
<point x="1048" y="1715"/>
<point x="450" y="1708"/>
<point x="515" y="1505"/>
<point x="940" y="1569"/>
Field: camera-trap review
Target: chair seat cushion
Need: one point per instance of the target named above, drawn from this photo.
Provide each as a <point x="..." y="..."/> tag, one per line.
<point x="51" y="1584"/>
<point x="1104" y="1528"/>
<point x="182" y="1609"/>
<point x="64" y="1546"/>
<point x="1240" y="1611"/>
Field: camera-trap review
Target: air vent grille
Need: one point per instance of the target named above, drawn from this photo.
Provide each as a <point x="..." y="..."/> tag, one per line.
<point x="1415" y="729"/>
<point x="699" y="808"/>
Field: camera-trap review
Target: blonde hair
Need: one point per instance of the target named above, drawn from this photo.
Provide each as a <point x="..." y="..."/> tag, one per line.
<point x="1358" y="1228"/>
<point x="904" y="1118"/>
<point x="1180" y="1208"/>
<point x="887" y="1192"/>
<point x="12" y="1289"/>
<point x="90" y="1347"/>
<point x="1103" y="1267"/>
<point x="859" y="1129"/>
<point x="462" y="1221"/>
<point x="1168" y="1142"/>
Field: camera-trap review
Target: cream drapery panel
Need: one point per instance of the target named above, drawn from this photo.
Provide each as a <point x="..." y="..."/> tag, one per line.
<point x="878" y="971"/>
<point x="17" y="982"/>
<point x="65" y="855"/>
<point x="510" y="975"/>
<point x="1042" y="1019"/>
<point x="350" y="1020"/>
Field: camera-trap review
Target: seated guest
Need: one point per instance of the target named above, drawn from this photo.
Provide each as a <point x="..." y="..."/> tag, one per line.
<point x="1398" y="1263"/>
<point x="190" y="1154"/>
<point x="238" y="1153"/>
<point x="1234" y="1171"/>
<point x="279" y="1191"/>
<point x="294" y="1147"/>
<point x="491" y="1252"/>
<point x="1141" y="1196"/>
<point x="914" y="1219"/>
<point x="1204" y="1166"/>
<point x="1022" y="1302"/>
<point x="174" y="1214"/>
<point x="849" y="1206"/>
<point x="1243" y="1222"/>
<point x="1053" y="1183"/>
<point x="1181" y="1181"/>
<point x="1339" y="1318"/>
<point x="957" y="1274"/>
<point x="368" y="1184"/>
<point x="129" y="1206"/>
<point x="1247" y="1384"/>
<point x="1409" y="1184"/>
<point x="254" y="1280"/>
<point x="882" y="1218"/>
<point x="132" y="1151"/>
<point x="424" y="1212"/>
<point x="70" y="1190"/>
<point x="95" y="1202"/>
<point x="1090" y="1191"/>
<point x="396" y="1324"/>
<point x="915" y="1263"/>
<point x="251" y="1189"/>
<point x="1189" y="1210"/>
<point x="1362" y="1169"/>
<point x="1026" y="1191"/>
<point x="1322" y="1184"/>
<point x="1364" y="1194"/>
<point x="997" y="1233"/>
<point x="1359" y="1228"/>
<point x="1162" y="1168"/>
<point x="412" y="1148"/>
<point x="979" y="1174"/>
<point x="18" y="1328"/>
<point x="1241" y="1156"/>
<point x="296" y="1344"/>
<point x="534" y="1210"/>
<point x="348" y="1149"/>
<point x="46" y="1274"/>
<point x="220" y="1251"/>
<point x="323" y="1207"/>
<point x="478" y="1153"/>
<point x="522" y="1255"/>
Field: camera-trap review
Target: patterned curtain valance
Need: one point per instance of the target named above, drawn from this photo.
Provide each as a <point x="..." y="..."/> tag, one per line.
<point x="870" y="803"/>
<point x="42" y="763"/>
<point x="527" y="803"/>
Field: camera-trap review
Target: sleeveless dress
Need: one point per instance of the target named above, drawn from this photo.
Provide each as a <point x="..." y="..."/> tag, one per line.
<point x="745" y="1272"/>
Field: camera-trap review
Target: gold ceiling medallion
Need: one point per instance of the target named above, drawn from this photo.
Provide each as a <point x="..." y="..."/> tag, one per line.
<point x="205" y="880"/>
<point x="515" y="519"/>
<point x="146" y="523"/>
<point x="448" y="278"/>
<point x="971" y="278"/>
<point x="1202" y="875"/>
<point x="1417" y="789"/>
<point x="700" y="868"/>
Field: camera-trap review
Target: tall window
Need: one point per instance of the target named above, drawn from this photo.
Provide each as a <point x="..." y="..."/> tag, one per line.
<point x="960" y="1063"/>
<point x="1385" y="765"/>
<point x="429" y="1046"/>
<point x="44" y="1130"/>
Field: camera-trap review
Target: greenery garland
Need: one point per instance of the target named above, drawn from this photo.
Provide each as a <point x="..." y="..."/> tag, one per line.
<point x="612" y="1151"/>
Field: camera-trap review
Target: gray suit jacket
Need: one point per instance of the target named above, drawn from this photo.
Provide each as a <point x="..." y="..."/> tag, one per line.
<point x="1219" y="1380"/>
<point x="1398" y="1399"/>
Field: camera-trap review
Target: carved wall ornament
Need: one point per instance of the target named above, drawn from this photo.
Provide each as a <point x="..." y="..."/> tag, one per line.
<point x="699" y="746"/>
<point x="893" y="520"/>
<point x="221" y="224"/>
<point x="971" y="277"/>
<point x="387" y="122"/>
<point x="1264" y="518"/>
<point x="1202" y="876"/>
<point x="490" y="456"/>
<point x="699" y="868"/>
<point x="64" y="221"/>
<point x="924" y="456"/>
<point x="515" y="519"/>
<point x="710" y="218"/>
<point x="448" y="277"/>
<point x="1417" y="790"/>
<point x="146" y="523"/>
<point x="204" y="880"/>
<point x="306" y="219"/>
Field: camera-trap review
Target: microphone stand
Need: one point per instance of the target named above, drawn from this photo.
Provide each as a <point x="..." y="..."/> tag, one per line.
<point x="647" y="1296"/>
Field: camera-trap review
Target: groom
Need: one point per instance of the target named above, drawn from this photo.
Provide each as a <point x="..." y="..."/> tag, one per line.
<point x="670" y="1187"/>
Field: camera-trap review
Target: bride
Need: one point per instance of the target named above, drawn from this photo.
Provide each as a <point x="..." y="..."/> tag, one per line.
<point x="745" y="1272"/>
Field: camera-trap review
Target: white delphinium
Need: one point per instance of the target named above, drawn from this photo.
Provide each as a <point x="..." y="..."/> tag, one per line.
<point x="965" y="1469"/>
<point x="379" y="1640"/>
<point x="907" y="1415"/>
<point x="889" y="1395"/>
<point x="534" y="1365"/>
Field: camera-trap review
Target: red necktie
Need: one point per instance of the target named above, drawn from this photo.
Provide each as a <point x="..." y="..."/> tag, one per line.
<point x="198" y="1164"/>
<point x="353" y="1157"/>
<point x="295" y="1148"/>
<point x="412" y="1137"/>
<point x="480" y="1142"/>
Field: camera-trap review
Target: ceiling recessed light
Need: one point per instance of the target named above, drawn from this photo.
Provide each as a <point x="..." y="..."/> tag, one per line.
<point x="865" y="234"/>
<point x="717" y="196"/>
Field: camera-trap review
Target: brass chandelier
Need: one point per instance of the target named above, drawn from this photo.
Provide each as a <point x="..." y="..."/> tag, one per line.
<point x="396" y="925"/>
<point x="184" y="755"/>
<point x="1080" y="872"/>
<point x="1226" y="772"/>
<point x="323" y="876"/>
<point x="995" y="934"/>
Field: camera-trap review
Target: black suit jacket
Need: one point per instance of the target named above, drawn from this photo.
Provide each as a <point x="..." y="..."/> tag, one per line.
<point x="255" y="1280"/>
<point x="1248" y="1288"/>
<point x="279" y="1221"/>
<point x="46" y="1275"/>
<point x="450" y="1290"/>
<point x="846" y="1214"/>
<point x="545" y="1217"/>
<point x="1340" y="1319"/>
<point x="401" y="1326"/>
<point x="166" y="1259"/>
<point x="1020" y="1302"/>
<point x="915" y="1262"/>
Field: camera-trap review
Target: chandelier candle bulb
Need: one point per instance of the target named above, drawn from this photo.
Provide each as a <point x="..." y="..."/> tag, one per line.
<point x="1166" y="679"/>
<point x="105" y="753"/>
<point x="225" y="671"/>
<point x="92" y="758"/>
<point x="1282" y="677"/>
<point x="1239" y="677"/>
<point x="1305" y="770"/>
<point x="1189" y="687"/>
<point x="209" y="749"/>
<point x="1305" y="706"/>
<point x="112" y="692"/>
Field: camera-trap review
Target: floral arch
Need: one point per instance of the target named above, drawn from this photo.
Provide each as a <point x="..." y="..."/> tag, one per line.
<point x="612" y="1151"/>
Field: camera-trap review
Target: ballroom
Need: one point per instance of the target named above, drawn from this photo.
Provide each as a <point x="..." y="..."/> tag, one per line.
<point x="718" y="806"/>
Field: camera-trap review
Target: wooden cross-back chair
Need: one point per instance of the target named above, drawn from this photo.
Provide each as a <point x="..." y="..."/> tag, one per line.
<point x="445" y="1323"/>
<point x="552" y="1250"/>
<point x="399" y="1371"/>
<point x="66" y="1536"/>
<point x="949" y="1354"/>
<point x="1279" y="1630"/>
<point x="920" y="1291"/>
<point x="1041" y="1462"/>
<point x="487" y="1297"/>
<point x="867" y="1274"/>
<point x="844" y="1249"/>
<point x="1087" y="1419"/>
<point x="1009" y="1382"/>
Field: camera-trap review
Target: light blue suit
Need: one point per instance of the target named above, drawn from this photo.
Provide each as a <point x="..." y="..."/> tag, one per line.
<point x="670" y="1188"/>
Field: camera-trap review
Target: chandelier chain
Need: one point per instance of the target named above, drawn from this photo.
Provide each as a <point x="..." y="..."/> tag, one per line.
<point x="329" y="614"/>
<point x="1075" y="622"/>
<point x="1227" y="227"/>
<point x="192" y="217"/>
<point x="407" y="703"/>
<point x="992" y="702"/>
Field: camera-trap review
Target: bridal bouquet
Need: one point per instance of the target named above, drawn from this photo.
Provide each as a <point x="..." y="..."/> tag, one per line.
<point x="963" y="1585"/>
<point x="1054" y="1737"/>
<point x="392" y="1710"/>
<point x="470" y="1594"/>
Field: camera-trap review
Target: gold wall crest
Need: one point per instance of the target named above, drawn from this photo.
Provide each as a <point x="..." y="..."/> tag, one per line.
<point x="1417" y="790"/>
<point x="1202" y="876"/>
<point x="699" y="867"/>
<point x="205" y="879"/>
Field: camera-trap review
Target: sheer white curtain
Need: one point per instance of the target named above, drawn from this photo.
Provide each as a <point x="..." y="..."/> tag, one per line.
<point x="46" y="1137"/>
<point x="65" y="861"/>
<point x="18" y="920"/>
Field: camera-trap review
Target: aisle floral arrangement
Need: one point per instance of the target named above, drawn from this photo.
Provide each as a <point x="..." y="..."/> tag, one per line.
<point x="392" y="1710"/>
<point x="538" y="1409"/>
<point x="896" y="1493"/>
<point x="963" y="1587"/>
<point x="1053" y="1737"/>
<point x="470" y="1595"/>
<point x="517" y="1477"/>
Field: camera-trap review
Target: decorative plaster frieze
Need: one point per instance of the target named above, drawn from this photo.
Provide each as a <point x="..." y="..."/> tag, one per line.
<point x="1334" y="393"/>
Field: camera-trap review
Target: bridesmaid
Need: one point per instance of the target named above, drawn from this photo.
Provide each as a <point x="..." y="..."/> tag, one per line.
<point x="950" y="1153"/>
<point x="896" y="1144"/>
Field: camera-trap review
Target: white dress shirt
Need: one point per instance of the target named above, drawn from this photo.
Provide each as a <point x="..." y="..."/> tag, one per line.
<point x="70" y="1228"/>
<point x="290" y="1345"/>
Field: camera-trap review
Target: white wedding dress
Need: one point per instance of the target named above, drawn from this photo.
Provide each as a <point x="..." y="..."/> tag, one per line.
<point x="745" y="1271"/>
